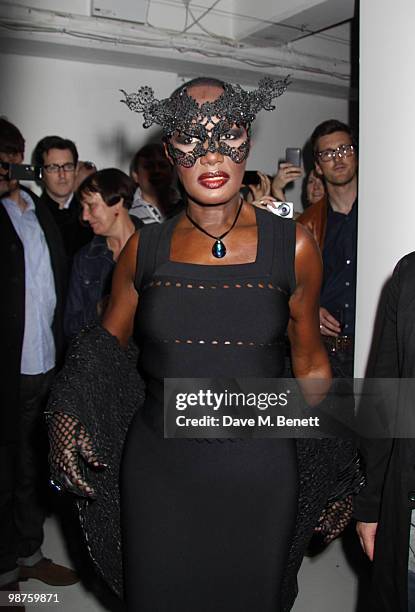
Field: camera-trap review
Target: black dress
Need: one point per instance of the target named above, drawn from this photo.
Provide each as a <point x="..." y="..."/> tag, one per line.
<point x="207" y="525"/>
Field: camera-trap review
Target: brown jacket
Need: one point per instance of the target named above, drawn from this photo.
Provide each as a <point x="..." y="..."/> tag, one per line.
<point x="314" y="218"/>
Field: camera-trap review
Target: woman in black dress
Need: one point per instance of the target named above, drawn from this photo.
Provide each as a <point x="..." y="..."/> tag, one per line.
<point x="207" y="526"/>
<point x="210" y="526"/>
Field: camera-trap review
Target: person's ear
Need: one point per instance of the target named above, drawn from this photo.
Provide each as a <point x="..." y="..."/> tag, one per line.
<point x="134" y="176"/>
<point x="118" y="207"/>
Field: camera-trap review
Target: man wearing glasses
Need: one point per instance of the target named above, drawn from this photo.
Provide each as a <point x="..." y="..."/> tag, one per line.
<point x="333" y="222"/>
<point x="58" y="158"/>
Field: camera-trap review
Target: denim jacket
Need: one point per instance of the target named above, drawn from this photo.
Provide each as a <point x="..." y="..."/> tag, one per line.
<point x="90" y="282"/>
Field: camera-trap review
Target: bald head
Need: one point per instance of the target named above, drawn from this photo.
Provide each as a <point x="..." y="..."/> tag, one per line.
<point x="205" y="92"/>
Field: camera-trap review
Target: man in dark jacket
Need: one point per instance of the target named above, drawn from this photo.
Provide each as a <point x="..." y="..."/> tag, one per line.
<point x="383" y="508"/>
<point x="58" y="158"/>
<point x="333" y="222"/>
<point x="33" y="280"/>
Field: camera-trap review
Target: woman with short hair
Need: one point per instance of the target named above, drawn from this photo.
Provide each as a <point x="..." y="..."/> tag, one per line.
<point x="106" y="197"/>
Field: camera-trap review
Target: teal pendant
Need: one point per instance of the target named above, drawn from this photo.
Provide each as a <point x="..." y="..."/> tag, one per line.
<point x="219" y="249"/>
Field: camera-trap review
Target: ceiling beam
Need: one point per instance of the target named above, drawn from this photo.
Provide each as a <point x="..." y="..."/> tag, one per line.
<point x="122" y="43"/>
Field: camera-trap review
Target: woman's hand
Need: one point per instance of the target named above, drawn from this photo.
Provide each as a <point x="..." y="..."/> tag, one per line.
<point x="335" y="519"/>
<point x="68" y="442"/>
<point x="367" y="536"/>
<point x="286" y="174"/>
<point x="264" y="202"/>
<point x="262" y="189"/>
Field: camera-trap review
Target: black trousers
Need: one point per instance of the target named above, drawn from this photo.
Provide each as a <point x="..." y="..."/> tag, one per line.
<point x="23" y="476"/>
<point x="342" y="364"/>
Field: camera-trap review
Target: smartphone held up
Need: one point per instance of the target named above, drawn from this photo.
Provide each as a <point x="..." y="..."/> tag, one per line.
<point x="293" y="156"/>
<point x="21" y="172"/>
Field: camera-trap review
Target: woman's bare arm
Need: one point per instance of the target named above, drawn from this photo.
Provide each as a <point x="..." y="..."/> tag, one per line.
<point x="119" y="315"/>
<point x="309" y="357"/>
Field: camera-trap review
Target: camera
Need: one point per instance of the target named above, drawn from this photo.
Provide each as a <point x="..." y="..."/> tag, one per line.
<point x="21" y="172"/>
<point x="282" y="209"/>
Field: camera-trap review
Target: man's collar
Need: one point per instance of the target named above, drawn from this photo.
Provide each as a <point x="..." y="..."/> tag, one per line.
<point x="331" y="210"/>
<point x="30" y="205"/>
<point x="67" y="202"/>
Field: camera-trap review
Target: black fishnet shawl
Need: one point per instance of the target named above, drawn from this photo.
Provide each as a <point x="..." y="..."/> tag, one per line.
<point x="100" y="386"/>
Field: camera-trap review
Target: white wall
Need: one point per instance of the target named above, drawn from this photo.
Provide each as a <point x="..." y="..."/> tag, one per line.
<point x="80" y="101"/>
<point x="387" y="137"/>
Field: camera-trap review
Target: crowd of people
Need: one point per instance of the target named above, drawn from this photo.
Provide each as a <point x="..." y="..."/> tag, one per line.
<point x="98" y="243"/>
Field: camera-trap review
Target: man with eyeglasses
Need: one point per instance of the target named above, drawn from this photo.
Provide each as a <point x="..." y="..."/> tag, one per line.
<point x="333" y="222"/>
<point x="58" y="158"/>
<point x="33" y="281"/>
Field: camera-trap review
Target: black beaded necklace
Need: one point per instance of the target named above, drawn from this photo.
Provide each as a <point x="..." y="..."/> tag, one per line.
<point x="218" y="249"/>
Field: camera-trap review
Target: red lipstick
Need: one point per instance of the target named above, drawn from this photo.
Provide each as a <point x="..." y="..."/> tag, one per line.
<point x="213" y="180"/>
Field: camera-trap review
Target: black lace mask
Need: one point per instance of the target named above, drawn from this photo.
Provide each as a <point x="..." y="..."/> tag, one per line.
<point x="191" y="130"/>
<point x="225" y="138"/>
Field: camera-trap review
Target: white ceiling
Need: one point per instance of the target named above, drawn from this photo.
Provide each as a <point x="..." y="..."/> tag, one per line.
<point x="233" y="39"/>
